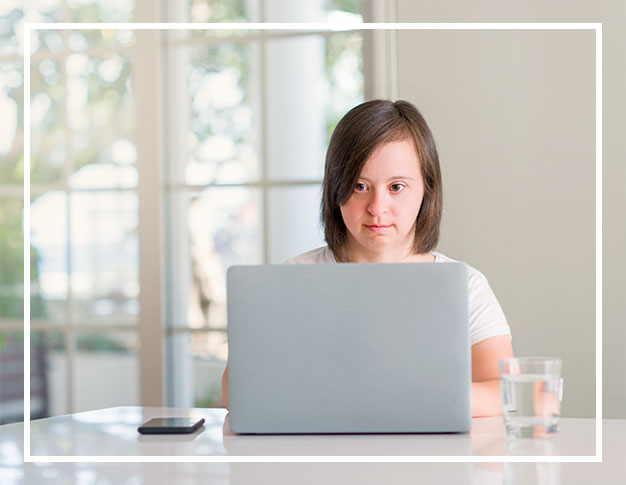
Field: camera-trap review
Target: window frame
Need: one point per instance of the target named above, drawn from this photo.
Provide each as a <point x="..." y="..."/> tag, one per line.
<point x="152" y="101"/>
<point x="379" y="49"/>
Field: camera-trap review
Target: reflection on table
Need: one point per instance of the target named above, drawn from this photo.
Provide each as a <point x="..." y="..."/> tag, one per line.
<point x="113" y="432"/>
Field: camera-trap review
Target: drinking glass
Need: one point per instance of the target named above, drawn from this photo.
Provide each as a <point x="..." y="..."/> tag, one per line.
<point x="532" y="391"/>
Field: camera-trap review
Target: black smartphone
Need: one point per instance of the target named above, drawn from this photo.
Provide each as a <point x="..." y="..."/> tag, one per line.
<point x="170" y="425"/>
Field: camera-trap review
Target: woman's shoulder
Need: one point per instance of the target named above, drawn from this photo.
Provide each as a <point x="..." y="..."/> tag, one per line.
<point x="486" y="316"/>
<point x="473" y="274"/>
<point x="478" y="283"/>
<point x="321" y="255"/>
<point x="442" y="258"/>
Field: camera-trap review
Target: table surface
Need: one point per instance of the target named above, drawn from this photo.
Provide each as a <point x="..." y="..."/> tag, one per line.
<point x="113" y="432"/>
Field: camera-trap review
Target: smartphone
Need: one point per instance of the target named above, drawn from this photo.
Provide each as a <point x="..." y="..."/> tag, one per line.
<point x="170" y="425"/>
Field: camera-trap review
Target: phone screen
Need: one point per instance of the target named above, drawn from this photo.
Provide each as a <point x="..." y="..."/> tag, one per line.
<point x="171" y="425"/>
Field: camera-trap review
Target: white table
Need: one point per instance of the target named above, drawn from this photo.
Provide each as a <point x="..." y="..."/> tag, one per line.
<point x="113" y="432"/>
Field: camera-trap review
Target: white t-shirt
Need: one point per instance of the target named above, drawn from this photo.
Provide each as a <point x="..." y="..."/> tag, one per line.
<point x="485" y="314"/>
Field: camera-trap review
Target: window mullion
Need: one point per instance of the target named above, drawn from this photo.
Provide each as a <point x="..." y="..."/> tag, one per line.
<point x="380" y="51"/>
<point x="147" y="91"/>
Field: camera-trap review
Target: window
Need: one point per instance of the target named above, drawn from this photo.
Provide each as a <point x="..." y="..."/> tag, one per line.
<point x="250" y="114"/>
<point x="127" y="254"/>
<point x="84" y="244"/>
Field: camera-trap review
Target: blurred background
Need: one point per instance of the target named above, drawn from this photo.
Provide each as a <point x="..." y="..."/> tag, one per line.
<point x="161" y="157"/>
<point x="246" y="116"/>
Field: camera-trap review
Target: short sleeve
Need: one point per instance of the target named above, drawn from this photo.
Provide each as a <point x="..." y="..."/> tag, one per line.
<point x="485" y="313"/>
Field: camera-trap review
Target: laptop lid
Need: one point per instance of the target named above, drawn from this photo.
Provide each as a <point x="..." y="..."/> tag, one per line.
<point x="349" y="348"/>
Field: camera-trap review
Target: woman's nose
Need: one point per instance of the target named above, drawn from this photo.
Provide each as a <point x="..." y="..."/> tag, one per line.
<point x="378" y="203"/>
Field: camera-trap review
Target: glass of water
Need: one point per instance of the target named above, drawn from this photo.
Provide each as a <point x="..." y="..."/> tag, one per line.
<point x="532" y="391"/>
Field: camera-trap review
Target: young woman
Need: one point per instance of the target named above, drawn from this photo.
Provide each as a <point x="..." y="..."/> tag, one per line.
<point x="382" y="203"/>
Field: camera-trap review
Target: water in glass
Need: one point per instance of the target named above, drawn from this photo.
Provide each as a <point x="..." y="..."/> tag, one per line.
<point x="531" y="404"/>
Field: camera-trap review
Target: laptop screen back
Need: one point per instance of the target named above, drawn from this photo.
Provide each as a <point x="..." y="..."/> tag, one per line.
<point x="349" y="348"/>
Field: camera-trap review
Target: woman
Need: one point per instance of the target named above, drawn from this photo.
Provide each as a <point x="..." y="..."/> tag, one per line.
<point x="382" y="203"/>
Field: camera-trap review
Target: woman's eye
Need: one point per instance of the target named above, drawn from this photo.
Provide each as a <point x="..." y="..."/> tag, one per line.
<point x="397" y="187"/>
<point x="360" y="187"/>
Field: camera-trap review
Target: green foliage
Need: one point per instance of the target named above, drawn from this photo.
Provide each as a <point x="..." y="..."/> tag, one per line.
<point x="12" y="162"/>
<point x="12" y="264"/>
<point x="336" y="47"/>
<point x="97" y="342"/>
<point x="221" y="10"/>
<point x="227" y="11"/>
<point x="212" y="399"/>
<point x="352" y="6"/>
<point x="87" y="13"/>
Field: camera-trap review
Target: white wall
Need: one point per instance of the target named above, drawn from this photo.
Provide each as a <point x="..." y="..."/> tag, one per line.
<point x="513" y="113"/>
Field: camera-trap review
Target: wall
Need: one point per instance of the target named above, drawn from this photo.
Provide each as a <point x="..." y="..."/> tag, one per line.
<point x="513" y="113"/>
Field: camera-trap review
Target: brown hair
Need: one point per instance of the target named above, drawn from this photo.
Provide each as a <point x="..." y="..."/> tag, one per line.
<point x="357" y="135"/>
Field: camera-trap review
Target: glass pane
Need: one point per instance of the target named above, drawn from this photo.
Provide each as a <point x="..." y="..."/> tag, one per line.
<point x="12" y="126"/>
<point x="49" y="270"/>
<point x="49" y="41"/>
<point x="100" y="115"/>
<point x="210" y="351"/>
<point x="80" y="40"/>
<point x="209" y="232"/>
<point x="337" y="7"/>
<point x="48" y="381"/>
<point x="11" y="376"/>
<point x="48" y="132"/>
<point x="294" y="221"/>
<point x="11" y="27"/>
<point x="47" y="375"/>
<point x="221" y="134"/>
<point x="310" y="83"/>
<point x="12" y="24"/>
<point x="106" y="370"/>
<point x="104" y="257"/>
<point x="210" y="11"/>
<point x="101" y="10"/>
<point x="289" y="11"/>
<point x="221" y="10"/>
<point x="211" y="35"/>
<point x="12" y="260"/>
<point x="344" y="76"/>
<point x="312" y="11"/>
<point x="197" y="361"/>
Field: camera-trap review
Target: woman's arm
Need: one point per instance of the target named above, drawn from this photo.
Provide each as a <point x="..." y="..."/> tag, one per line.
<point x="225" y="387"/>
<point x="486" y="397"/>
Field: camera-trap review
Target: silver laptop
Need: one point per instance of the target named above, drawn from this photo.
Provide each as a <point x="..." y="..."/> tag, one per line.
<point x="349" y="348"/>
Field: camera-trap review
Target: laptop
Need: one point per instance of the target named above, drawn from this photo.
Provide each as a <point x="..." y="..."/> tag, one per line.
<point x="349" y="348"/>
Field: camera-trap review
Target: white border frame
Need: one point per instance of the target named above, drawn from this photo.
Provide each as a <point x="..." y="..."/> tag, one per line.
<point x="597" y="27"/>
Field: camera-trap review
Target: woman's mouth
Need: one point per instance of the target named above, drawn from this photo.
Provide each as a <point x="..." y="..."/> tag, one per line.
<point x="377" y="228"/>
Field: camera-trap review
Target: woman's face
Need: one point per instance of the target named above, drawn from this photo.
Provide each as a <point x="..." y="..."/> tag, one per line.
<point x="380" y="215"/>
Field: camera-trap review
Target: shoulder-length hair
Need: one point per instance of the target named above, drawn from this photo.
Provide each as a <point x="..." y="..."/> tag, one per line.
<point x="357" y="135"/>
